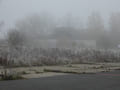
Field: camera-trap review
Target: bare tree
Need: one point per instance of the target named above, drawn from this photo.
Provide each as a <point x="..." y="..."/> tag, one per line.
<point x="36" y="27"/>
<point x="95" y="25"/>
<point x="69" y="21"/>
<point x="115" y="28"/>
<point x="15" y="38"/>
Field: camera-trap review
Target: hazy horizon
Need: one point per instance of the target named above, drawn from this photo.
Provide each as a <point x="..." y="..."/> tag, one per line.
<point x="13" y="10"/>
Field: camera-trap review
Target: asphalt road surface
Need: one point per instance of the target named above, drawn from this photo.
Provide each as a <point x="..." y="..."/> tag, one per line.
<point x="100" y="81"/>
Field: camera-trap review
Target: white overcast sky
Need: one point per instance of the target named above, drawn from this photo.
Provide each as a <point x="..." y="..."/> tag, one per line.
<point x="13" y="10"/>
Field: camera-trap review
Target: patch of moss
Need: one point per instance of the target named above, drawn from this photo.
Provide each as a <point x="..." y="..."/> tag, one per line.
<point x="24" y="72"/>
<point x="12" y="77"/>
<point x="37" y="72"/>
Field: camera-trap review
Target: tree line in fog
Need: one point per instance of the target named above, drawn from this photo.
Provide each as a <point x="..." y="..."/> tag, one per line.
<point x="23" y="41"/>
<point x="34" y="28"/>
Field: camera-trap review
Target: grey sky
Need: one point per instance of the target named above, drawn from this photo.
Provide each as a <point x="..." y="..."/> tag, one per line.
<point x="12" y="10"/>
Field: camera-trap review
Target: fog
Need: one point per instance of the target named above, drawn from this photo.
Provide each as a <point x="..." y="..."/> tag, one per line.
<point x="55" y="32"/>
<point x="44" y="23"/>
<point x="12" y="10"/>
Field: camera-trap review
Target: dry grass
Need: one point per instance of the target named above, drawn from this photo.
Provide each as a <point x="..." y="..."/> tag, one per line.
<point x="45" y="71"/>
<point x="47" y="74"/>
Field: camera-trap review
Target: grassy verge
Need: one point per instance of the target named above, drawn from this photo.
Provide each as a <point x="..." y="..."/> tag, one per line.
<point x="69" y="71"/>
<point x="73" y="69"/>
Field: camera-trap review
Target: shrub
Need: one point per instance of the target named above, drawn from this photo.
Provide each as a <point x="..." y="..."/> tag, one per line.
<point x="10" y="76"/>
<point x="54" y="56"/>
